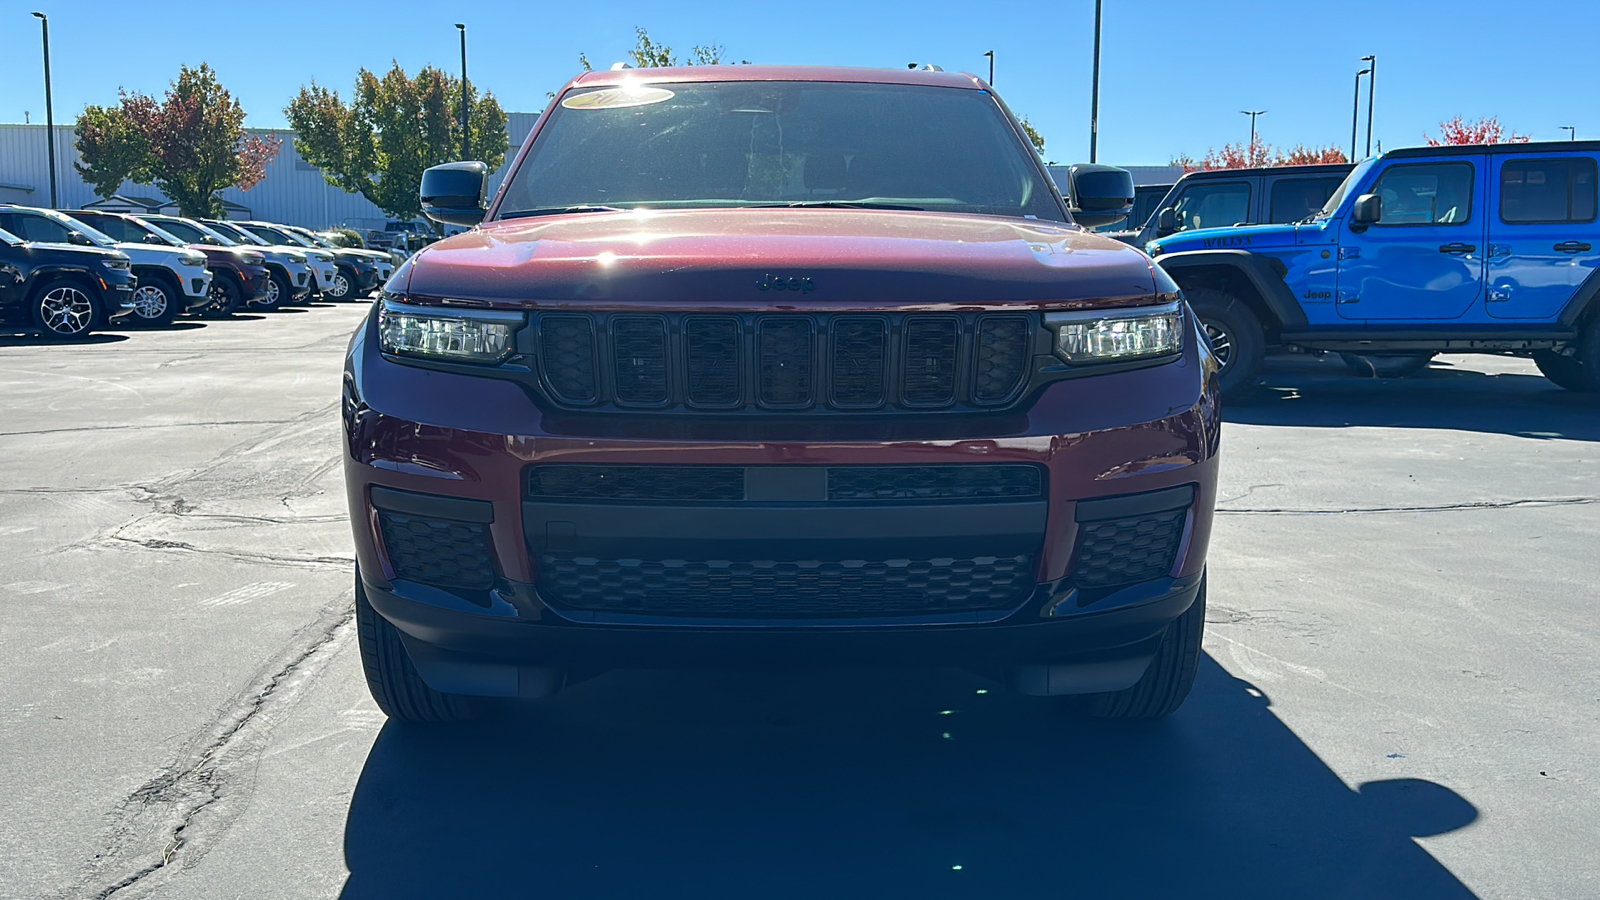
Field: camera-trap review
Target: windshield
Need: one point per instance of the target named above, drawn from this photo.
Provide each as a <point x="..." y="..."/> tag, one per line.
<point x="194" y="232"/>
<point x="275" y="235"/>
<point x="754" y="144"/>
<point x="95" y="236"/>
<point x="238" y="234"/>
<point x="315" y="239"/>
<point x="7" y="237"/>
<point x="1349" y="182"/>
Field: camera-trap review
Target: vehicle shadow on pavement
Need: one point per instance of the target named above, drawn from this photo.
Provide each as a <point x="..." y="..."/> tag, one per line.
<point x="35" y="339"/>
<point x="879" y="784"/>
<point x="1313" y="395"/>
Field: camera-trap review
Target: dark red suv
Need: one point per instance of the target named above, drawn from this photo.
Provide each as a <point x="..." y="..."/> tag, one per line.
<point x="778" y="365"/>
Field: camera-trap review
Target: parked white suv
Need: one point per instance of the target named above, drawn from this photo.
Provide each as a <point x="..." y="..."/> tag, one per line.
<point x="270" y="231"/>
<point x="172" y="280"/>
<point x="290" y="267"/>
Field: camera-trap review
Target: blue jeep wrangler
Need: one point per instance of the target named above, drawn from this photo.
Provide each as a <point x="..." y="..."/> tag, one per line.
<point x="1424" y="250"/>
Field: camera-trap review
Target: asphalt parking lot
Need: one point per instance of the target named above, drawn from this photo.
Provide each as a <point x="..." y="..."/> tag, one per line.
<point x="1401" y="695"/>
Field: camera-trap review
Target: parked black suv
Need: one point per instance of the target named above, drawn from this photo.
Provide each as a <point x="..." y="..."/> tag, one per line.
<point x="65" y="290"/>
<point x="1221" y="198"/>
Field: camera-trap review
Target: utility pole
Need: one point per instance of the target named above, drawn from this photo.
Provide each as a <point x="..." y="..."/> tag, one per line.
<point x="466" y="119"/>
<point x="49" y="110"/>
<point x="990" y="54"/>
<point x="1355" y="114"/>
<point x="1094" y="102"/>
<point x="1372" y="81"/>
<point x="1250" y="150"/>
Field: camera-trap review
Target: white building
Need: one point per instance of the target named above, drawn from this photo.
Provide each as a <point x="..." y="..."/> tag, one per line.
<point x="293" y="191"/>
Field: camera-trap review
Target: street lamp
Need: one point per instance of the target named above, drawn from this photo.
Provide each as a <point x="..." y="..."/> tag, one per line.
<point x="1094" y="102"/>
<point x="466" y="132"/>
<point x="49" y="110"/>
<point x="1355" y="114"/>
<point x="1572" y="131"/>
<point x="990" y="54"/>
<point x="1250" y="150"/>
<point x="1372" y="70"/>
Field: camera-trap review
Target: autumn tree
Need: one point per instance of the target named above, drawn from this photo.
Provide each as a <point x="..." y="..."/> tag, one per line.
<point x="1301" y="155"/>
<point x="1261" y="153"/>
<point x="392" y="129"/>
<point x="190" y="145"/>
<point x="1481" y="131"/>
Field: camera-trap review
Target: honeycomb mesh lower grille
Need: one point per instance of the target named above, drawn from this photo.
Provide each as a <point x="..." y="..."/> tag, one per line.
<point x="436" y="551"/>
<point x="768" y="589"/>
<point x="1116" y="552"/>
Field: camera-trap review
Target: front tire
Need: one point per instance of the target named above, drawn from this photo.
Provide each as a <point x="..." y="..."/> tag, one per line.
<point x="64" y="310"/>
<point x="1562" y="371"/>
<point x="1588" y="358"/>
<point x="1237" y="338"/>
<point x="1166" y="684"/>
<point x="341" y="288"/>
<point x="278" y="293"/>
<point x="392" y="679"/>
<point x="225" y="295"/>
<point x="155" y="303"/>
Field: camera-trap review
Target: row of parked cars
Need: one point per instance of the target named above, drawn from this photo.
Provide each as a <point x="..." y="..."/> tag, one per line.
<point x="69" y="273"/>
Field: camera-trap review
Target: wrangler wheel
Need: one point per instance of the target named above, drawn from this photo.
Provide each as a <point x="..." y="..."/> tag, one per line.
<point x="1237" y="339"/>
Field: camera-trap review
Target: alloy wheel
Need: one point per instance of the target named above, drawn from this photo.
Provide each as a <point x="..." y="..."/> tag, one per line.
<point x="150" y="302"/>
<point x="270" y="301"/>
<point x="1221" y="344"/>
<point x="340" y="287"/>
<point x="67" y="310"/>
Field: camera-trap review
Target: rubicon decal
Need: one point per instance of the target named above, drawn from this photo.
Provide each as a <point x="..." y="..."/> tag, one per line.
<point x="771" y="282"/>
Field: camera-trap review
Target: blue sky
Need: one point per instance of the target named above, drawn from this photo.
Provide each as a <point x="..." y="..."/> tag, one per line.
<point x="1174" y="74"/>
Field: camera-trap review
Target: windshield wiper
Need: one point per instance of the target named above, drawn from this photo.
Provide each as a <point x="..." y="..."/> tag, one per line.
<point x="558" y="210"/>
<point x="840" y="204"/>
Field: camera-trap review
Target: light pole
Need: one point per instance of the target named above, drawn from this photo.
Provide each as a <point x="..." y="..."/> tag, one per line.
<point x="1250" y="151"/>
<point x="466" y="132"/>
<point x="1572" y="132"/>
<point x="1094" y="102"/>
<point x="1372" y="82"/>
<point x="990" y="54"/>
<point x="1355" y="114"/>
<point x="49" y="110"/>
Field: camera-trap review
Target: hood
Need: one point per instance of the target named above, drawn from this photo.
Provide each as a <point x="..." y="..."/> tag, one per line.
<point x="1240" y="237"/>
<point x="107" y="252"/>
<point x="777" y="258"/>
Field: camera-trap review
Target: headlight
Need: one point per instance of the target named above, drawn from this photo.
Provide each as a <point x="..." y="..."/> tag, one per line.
<point x="194" y="259"/>
<point x="120" y="264"/>
<point x="296" y="259"/>
<point x="249" y="257"/>
<point x="471" y="336"/>
<point x="1110" y="335"/>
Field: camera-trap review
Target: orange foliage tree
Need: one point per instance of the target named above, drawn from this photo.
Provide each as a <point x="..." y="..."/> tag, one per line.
<point x="1482" y="131"/>
<point x="1260" y="153"/>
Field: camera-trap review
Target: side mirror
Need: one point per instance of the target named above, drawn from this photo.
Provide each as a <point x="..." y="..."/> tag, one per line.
<point x="79" y="238"/>
<point x="1367" y="210"/>
<point x="1099" y="195"/>
<point x="1166" y="222"/>
<point x="453" y="194"/>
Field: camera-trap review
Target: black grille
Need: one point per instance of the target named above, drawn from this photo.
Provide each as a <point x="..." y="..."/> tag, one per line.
<point x="1116" y="552"/>
<point x="1002" y="358"/>
<point x="790" y="361"/>
<point x="639" y="356"/>
<point x="859" y="359"/>
<point x="785" y="362"/>
<point x="568" y="356"/>
<point x="1006" y="481"/>
<point x="768" y="589"/>
<point x="930" y="364"/>
<point x="711" y="355"/>
<point x="436" y="551"/>
<point x="658" y="483"/>
<point x="977" y="482"/>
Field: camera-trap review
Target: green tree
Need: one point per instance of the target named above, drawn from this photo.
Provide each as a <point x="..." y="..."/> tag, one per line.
<point x="190" y="145"/>
<point x="392" y="129"/>
<point x="647" y="54"/>
<point x="1034" y="137"/>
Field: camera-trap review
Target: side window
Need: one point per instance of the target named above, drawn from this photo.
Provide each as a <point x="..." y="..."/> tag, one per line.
<point x="1425" y="194"/>
<point x="114" y="228"/>
<point x="1294" y="199"/>
<point x="1548" y="190"/>
<point x="35" y="228"/>
<point x="1213" y="205"/>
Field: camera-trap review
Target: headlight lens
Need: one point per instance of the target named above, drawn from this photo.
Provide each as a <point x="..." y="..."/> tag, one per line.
<point x="470" y="336"/>
<point x="194" y="259"/>
<point x="1110" y="335"/>
<point x="120" y="264"/>
<point x="250" y="257"/>
<point x="297" y="259"/>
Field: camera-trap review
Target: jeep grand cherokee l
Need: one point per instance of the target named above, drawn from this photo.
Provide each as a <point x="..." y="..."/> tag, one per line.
<point x="755" y="364"/>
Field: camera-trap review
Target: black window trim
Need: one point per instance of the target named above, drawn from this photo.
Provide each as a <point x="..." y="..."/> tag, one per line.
<point x="1473" y="189"/>
<point x="1249" y="198"/>
<point x="1571" y="173"/>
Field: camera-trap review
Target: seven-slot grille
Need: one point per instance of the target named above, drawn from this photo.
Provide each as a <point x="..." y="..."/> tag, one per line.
<point x="783" y="361"/>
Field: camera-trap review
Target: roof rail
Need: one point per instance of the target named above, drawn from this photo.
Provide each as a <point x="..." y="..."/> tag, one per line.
<point x="619" y="66"/>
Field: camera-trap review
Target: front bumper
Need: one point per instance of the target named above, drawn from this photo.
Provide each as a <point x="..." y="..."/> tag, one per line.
<point x="196" y="287"/>
<point x="422" y="442"/>
<point x="118" y="295"/>
<point x="324" y="273"/>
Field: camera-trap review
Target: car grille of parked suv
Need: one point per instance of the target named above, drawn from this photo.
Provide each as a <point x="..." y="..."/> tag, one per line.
<point x="784" y="361"/>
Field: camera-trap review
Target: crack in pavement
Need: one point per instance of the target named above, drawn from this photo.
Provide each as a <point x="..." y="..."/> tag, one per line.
<point x="270" y="559"/>
<point x="167" y="807"/>
<point x="1450" y="507"/>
